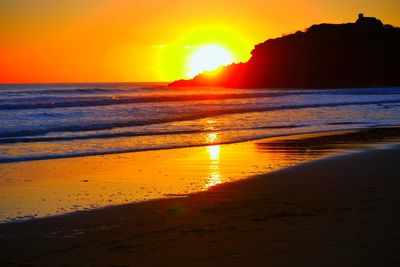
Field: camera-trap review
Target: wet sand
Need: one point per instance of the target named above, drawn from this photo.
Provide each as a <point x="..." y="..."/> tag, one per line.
<point x="49" y="187"/>
<point x="335" y="211"/>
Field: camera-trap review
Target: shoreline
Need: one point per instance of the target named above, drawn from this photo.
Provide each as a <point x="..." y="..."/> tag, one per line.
<point x="258" y="139"/>
<point x="339" y="210"/>
<point x="186" y="195"/>
<point x="97" y="182"/>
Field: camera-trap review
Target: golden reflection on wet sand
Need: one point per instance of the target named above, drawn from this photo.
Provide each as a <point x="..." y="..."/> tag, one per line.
<point x="215" y="177"/>
<point x="48" y="187"/>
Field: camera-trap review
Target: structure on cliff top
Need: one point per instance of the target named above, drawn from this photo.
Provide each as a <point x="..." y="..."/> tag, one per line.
<point x="361" y="54"/>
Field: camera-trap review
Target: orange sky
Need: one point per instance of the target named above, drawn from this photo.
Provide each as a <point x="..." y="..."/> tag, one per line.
<point x="126" y="40"/>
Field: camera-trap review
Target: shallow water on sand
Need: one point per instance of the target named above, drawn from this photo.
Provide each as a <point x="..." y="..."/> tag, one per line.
<point x="49" y="187"/>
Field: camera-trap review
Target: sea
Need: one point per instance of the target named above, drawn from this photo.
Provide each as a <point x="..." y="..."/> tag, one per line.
<point x="62" y="146"/>
<point x="47" y="121"/>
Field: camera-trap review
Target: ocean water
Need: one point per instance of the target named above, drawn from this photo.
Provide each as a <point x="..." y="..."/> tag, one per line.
<point x="67" y="121"/>
<point x="44" y="121"/>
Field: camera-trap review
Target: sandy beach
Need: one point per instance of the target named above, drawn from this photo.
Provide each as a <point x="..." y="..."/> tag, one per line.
<point x="199" y="133"/>
<point x="336" y="211"/>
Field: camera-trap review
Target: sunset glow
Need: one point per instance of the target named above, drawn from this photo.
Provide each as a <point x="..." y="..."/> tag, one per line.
<point x="202" y="49"/>
<point x="108" y="41"/>
<point x="199" y="133"/>
<point x="208" y="58"/>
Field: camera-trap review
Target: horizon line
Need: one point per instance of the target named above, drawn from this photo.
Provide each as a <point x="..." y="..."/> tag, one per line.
<point x="33" y="83"/>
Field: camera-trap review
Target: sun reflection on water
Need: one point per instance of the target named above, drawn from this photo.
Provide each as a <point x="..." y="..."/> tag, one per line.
<point x="214" y="176"/>
<point x="213" y="151"/>
<point x="212" y="138"/>
<point x="33" y="189"/>
<point x="210" y="125"/>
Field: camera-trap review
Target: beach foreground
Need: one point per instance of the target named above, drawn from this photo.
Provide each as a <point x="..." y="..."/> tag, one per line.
<point x="337" y="211"/>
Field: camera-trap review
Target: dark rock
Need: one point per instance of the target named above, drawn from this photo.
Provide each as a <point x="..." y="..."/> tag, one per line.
<point x="361" y="54"/>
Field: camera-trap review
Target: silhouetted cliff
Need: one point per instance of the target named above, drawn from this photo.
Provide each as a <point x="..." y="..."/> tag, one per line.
<point x="361" y="54"/>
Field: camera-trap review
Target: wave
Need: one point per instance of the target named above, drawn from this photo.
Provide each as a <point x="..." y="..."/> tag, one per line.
<point x="127" y="150"/>
<point x="92" y="102"/>
<point x="131" y="134"/>
<point x="199" y="115"/>
<point x="64" y="91"/>
<point x="161" y="147"/>
<point x="49" y="103"/>
<point x="89" y="153"/>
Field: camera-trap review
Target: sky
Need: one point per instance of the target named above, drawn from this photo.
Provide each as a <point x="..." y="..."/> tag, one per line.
<point x="47" y="41"/>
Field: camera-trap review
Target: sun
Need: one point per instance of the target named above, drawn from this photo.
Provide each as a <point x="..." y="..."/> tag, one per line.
<point x="203" y="48"/>
<point x="208" y="58"/>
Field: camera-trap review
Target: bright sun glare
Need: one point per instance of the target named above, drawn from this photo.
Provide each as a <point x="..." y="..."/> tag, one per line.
<point x="208" y="58"/>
